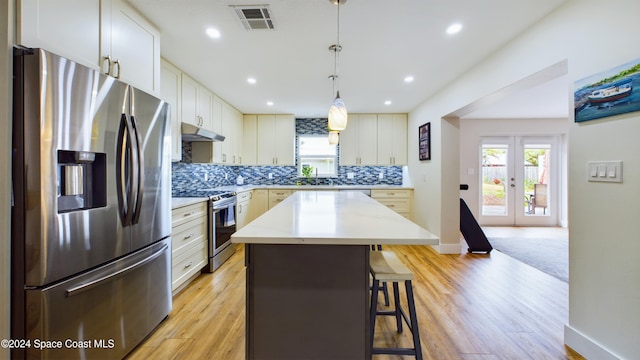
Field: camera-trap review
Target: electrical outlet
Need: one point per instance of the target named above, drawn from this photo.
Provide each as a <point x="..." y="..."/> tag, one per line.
<point x="381" y="175"/>
<point x="270" y="175"/>
<point x="350" y="175"/>
<point x="206" y="177"/>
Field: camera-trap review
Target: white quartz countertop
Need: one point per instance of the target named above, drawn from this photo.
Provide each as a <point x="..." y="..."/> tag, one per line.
<point x="332" y="218"/>
<point x="241" y="188"/>
<point x="180" y="202"/>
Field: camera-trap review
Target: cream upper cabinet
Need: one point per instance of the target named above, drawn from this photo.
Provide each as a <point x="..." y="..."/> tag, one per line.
<point x="392" y="139"/>
<point x="249" y="139"/>
<point x="43" y="23"/>
<point x="189" y="92"/>
<point x="358" y="142"/>
<point x="227" y="121"/>
<point x="132" y="44"/>
<point x="89" y="31"/>
<point x="238" y="136"/>
<point x="275" y="140"/>
<point x="196" y="103"/>
<point x="170" y="91"/>
<point x="230" y="152"/>
<point x="204" y="106"/>
<point x="216" y="147"/>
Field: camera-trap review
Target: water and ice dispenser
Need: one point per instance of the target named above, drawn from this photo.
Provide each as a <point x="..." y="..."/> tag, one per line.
<point x="82" y="180"/>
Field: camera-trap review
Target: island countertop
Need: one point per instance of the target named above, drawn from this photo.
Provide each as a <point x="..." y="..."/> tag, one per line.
<point x="332" y="218"/>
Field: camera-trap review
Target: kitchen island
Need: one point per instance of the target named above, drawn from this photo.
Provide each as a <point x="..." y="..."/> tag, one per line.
<point x="307" y="265"/>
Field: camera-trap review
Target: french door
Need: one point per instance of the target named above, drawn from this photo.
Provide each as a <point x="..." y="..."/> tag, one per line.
<point x="518" y="181"/>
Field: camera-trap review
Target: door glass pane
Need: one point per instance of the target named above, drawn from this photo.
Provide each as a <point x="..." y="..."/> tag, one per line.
<point x="536" y="179"/>
<point x="494" y="180"/>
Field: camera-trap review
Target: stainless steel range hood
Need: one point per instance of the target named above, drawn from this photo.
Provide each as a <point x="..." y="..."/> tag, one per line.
<point x="191" y="133"/>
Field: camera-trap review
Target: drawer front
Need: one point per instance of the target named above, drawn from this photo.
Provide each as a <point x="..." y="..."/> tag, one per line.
<point x="185" y="265"/>
<point x="397" y="205"/>
<point x="389" y="193"/>
<point x="186" y="234"/>
<point x="279" y="193"/>
<point x="243" y="196"/>
<point x="184" y="214"/>
<point x="276" y="196"/>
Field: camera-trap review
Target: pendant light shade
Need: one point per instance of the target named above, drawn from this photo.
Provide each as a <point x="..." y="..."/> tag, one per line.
<point x="338" y="114"/>
<point x="334" y="137"/>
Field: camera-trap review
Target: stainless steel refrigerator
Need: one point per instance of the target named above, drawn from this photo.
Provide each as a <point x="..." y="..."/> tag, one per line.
<point x="91" y="221"/>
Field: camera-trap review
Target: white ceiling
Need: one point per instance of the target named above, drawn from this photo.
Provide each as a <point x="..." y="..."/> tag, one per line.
<point x="383" y="41"/>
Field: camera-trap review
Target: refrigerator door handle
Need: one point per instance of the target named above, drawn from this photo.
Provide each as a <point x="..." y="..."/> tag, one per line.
<point x="139" y="171"/>
<point x="92" y="284"/>
<point x="124" y="170"/>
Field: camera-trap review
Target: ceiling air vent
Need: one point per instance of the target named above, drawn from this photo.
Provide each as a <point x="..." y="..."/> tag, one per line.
<point x="254" y="17"/>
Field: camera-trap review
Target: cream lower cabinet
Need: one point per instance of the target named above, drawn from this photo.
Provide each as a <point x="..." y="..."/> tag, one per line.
<point x="276" y="196"/>
<point x="188" y="243"/>
<point x="243" y="209"/>
<point x="259" y="202"/>
<point x="398" y="200"/>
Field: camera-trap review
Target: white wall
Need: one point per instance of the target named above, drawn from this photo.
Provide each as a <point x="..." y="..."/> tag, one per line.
<point x="471" y="132"/>
<point x="6" y="42"/>
<point x="604" y="269"/>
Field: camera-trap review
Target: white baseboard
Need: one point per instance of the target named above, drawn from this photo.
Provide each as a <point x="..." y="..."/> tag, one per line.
<point x="586" y="346"/>
<point x="448" y="248"/>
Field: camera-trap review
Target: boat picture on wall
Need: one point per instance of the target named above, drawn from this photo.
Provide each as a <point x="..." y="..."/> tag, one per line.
<point x="612" y="92"/>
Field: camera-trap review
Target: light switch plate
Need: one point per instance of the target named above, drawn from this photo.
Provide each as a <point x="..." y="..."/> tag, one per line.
<point x="604" y="171"/>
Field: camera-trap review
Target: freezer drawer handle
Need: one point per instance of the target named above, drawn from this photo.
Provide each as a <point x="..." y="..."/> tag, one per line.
<point x="91" y="284"/>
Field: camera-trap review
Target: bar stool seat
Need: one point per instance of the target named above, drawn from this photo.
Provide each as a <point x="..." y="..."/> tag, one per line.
<point x="386" y="267"/>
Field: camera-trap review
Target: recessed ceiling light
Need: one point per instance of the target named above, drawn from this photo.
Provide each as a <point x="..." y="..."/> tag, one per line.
<point x="213" y="33"/>
<point x="388" y="102"/>
<point x="251" y="80"/>
<point x="269" y="103"/>
<point x="408" y="79"/>
<point x="454" y="28"/>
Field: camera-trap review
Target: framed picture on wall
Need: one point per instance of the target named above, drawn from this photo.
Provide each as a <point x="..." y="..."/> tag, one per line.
<point x="424" y="141"/>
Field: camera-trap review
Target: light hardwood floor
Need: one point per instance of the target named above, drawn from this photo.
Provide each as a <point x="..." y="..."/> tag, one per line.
<point x="470" y="306"/>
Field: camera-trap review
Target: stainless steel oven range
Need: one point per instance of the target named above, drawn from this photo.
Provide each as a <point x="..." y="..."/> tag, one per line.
<point x="222" y="224"/>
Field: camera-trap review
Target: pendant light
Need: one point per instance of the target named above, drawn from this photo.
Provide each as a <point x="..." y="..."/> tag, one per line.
<point x="337" y="112"/>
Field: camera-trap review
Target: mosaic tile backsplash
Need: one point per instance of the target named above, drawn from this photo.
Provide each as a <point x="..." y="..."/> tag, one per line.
<point x="188" y="177"/>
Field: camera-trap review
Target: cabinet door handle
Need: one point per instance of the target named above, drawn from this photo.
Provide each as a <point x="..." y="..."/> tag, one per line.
<point x="188" y="236"/>
<point x="188" y="214"/>
<point x="106" y="59"/>
<point x="188" y="265"/>
<point x="116" y="74"/>
<point x="239" y="208"/>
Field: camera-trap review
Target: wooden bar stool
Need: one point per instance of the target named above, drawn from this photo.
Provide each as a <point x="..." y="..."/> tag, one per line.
<point x="384" y="288"/>
<point x="386" y="267"/>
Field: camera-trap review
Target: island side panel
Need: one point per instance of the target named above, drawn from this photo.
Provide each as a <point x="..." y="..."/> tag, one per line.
<point x="307" y="301"/>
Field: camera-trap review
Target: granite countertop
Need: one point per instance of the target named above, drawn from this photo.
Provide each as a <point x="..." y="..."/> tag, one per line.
<point x="332" y="218"/>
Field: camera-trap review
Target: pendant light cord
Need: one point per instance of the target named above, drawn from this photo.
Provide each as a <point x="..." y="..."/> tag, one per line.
<point x="338" y="49"/>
